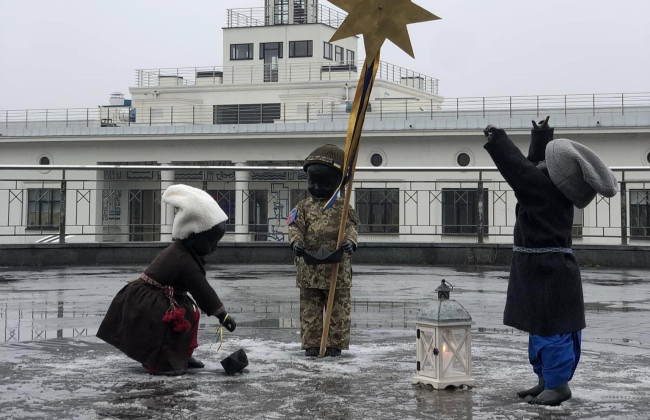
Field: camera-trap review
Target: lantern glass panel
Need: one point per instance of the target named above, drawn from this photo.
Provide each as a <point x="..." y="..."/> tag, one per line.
<point x="454" y="352"/>
<point x="427" y="343"/>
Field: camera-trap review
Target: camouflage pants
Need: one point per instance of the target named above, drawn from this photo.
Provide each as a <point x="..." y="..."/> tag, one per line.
<point x="312" y="309"/>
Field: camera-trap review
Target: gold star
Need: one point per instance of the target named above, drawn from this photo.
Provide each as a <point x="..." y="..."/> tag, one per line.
<point x="378" y="20"/>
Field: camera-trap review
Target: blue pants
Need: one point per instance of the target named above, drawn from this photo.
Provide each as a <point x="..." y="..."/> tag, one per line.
<point x="554" y="357"/>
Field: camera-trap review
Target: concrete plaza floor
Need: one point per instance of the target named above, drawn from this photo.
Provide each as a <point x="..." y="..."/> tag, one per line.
<point x="52" y="366"/>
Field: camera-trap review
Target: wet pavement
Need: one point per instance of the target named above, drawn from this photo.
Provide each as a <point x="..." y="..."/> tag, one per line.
<point x="52" y="366"/>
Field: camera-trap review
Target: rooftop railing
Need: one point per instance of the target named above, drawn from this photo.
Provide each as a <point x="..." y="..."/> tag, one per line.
<point x="597" y="110"/>
<point x="259" y="16"/>
<point x="282" y="72"/>
<point x="121" y="203"/>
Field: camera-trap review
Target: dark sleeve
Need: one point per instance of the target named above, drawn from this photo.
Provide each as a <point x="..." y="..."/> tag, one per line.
<point x="197" y="285"/>
<point x="539" y="138"/>
<point x="529" y="183"/>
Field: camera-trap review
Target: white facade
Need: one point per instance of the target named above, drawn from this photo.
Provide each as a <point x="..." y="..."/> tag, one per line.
<point x="252" y="112"/>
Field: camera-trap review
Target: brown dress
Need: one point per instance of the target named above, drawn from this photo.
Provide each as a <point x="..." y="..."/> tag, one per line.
<point x="133" y="322"/>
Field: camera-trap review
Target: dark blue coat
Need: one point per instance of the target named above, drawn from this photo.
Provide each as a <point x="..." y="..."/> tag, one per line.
<point x="544" y="289"/>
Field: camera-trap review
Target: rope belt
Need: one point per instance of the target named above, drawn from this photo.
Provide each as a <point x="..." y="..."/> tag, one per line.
<point x="175" y="314"/>
<point x="525" y="250"/>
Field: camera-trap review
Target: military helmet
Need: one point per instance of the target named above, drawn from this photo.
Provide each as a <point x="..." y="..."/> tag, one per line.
<point x="328" y="155"/>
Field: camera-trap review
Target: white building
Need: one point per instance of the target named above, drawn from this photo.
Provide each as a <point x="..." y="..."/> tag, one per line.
<point x="282" y="90"/>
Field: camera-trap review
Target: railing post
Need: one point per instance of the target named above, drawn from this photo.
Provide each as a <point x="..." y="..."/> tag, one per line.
<point x="171" y="115"/>
<point x="565" y="105"/>
<point x="149" y="116"/>
<point x="593" y="104"/>
<point x="381" y="110"/>
<point x="193" y="115"/>
<point x="510" y="107"/>
<point x="26" y="117"/>
<point x="406" y="109"/>
<point x="66" y="117"/>
<point x="537" y="101"/>
<point x="457" y="111"/>
<point x="480" y="207"/>
<point x="87" y="117"/>
<point x="622" y="104"/>
<point x="431" y="110"/>
<point x="62" y="212"/>
<point x="307" y="111"/>
<point x="483" y="107"/>
<point x="623" y="195"/>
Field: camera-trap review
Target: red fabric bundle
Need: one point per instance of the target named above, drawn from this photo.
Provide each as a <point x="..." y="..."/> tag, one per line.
<point x="176" y="317"/>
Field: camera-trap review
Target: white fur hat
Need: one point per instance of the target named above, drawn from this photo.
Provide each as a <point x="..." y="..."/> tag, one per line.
<point x="197" y="210"/>
<point x="578" y="172"/>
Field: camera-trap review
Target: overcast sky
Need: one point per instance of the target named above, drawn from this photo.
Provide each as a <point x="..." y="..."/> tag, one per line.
<point x="74" y="53"/>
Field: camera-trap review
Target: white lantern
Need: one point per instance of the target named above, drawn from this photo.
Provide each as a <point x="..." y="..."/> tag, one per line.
<point x="444" y="342"/>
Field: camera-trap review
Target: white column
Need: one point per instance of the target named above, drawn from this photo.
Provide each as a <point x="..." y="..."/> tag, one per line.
<point x="242" y="179"/>
<point x="166" y="211"/>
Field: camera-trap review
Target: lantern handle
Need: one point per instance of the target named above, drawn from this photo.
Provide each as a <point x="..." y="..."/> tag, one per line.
<point x="447" y="283"/>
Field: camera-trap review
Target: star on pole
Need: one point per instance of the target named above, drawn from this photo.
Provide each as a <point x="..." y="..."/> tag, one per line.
<point x="378" y="20"/>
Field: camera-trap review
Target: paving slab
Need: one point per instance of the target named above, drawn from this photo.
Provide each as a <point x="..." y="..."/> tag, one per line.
<point x="52" y="366"/>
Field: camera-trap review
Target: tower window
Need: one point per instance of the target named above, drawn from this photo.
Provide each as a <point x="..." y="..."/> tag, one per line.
<point x="300" y="48"/>
<point x="241" y="51"/>
<point x="338" y="54"/>
<point x="327" y="50"/>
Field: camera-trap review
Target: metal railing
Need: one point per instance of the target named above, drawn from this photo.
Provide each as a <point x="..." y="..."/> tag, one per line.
<point x="475" y="110"/>
<point x="259" y="16"/>
<point x="244" y="74"/>
<point x="117" y="203"/>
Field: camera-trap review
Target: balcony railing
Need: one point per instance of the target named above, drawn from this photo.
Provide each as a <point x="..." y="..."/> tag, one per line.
<point x="117" y="203"/>
<point x="589" y="110"/>
<point x="281" y="72"/>
<point x="258" y="16"/>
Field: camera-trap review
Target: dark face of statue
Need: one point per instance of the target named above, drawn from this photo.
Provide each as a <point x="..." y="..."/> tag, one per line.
<point x="205" y="243"/>
<point x="322" y="180"/>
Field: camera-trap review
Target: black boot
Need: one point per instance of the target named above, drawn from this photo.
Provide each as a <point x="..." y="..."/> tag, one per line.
<point x="312" y="352"/>
<point x="554" y="396"/>
<point x="332" y="352"/>
<point x="534" y="391"/>
<point x="192" y="363"/>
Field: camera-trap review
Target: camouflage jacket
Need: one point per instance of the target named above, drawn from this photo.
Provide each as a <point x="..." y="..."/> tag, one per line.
<point x="317" y="227"/>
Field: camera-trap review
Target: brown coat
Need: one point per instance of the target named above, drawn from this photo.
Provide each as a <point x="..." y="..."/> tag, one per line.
<point x="133" y="322"/>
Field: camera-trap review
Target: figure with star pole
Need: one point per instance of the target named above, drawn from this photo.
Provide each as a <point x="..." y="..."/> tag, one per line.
<point x="376" y="20"/>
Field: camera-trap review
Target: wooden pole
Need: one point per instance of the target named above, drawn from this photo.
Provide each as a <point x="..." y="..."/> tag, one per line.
<point x="352" y="141"/>
<point x="335" y="267"/>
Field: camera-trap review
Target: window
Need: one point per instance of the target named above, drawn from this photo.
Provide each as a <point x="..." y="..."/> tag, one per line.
<point x="226" y="200"/>
<point x="270" y="50"/>
<point x="246" y="113"/>
<point x="44" y="208"/>
<point x="327" y="50"/>
<point x="349" y="56"/>
<point x="338" y="54"/>
<point x="460" y="211"/>
<point x="640" y="213"/>
<point x="241" y="51"/>
<point x="578" y="222"/>
<point x="300" y="11"/>
<point x="300" y="48"/>
<point x="378" y="210"/>
<point x="376" y="159"/>
<point x="281" y="12"/>
<point x="463" y="159"/>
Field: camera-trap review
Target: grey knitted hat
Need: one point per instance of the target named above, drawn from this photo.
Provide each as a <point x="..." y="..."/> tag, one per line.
<point x="328" y="155"/>
<point x="578" y="172"/>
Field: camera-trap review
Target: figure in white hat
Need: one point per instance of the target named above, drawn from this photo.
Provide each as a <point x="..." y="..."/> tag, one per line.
<point x="544" y="294"/>
<point x="153" y="319"/>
